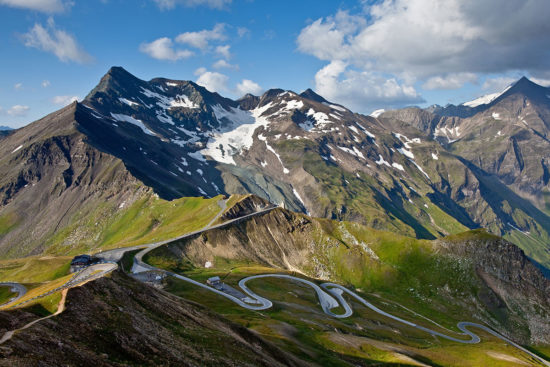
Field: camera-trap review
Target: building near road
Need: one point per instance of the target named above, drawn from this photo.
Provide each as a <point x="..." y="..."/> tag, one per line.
<point x="81" y="261"/>
<point x="215" y="282"/>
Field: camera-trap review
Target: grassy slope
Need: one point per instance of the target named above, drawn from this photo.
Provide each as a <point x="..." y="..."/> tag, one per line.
<point x="147" y="220"/>
<point x="297" y="324"/>
<point x="400" y="271"/>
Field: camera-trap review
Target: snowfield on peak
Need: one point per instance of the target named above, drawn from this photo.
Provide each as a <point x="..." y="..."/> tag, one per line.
<point x="486" y="99"/>
<point x="180" y="100"/>
<point x="237" y="133"/>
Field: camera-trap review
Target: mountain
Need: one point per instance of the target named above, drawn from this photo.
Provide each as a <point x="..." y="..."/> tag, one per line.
<point x="5" y="131"/>
<point x="506" y="143"/>
<point x="388" y="205"/>
<point x="396" y="172"/>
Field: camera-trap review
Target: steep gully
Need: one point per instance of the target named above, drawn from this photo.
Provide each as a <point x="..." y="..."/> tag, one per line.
<point x="330" y="295"/>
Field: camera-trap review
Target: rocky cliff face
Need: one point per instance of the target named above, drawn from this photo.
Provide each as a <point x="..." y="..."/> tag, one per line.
<point x="118" y="321"/>
<point x="514" y="282"/>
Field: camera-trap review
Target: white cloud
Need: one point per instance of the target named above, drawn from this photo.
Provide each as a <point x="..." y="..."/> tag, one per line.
<point x="201" y="39"/>
<point x="162" y="49"/>
<point x="18" y="110"/>
<point x="497" y="84"/>
<point x="171" y="4"/>
<point x="223" y="51"/>
<point x="543" y="82"/>
<point x="45" y="83"/>
<point x="64" y="100"/>
<point x="200" y="71"/>
<point x="450" y="81"/>
<point x="243" y="32"/>
<point x="56" y="41"/>
<point x="45" y="6"/>
<point x="248" y="86"/>
<point x="213" y="81"/>
<point x="362" y="91"/>
<point x="422" y="39"/>
<point x="18" y="86"/>
<point x="222" y="64"/>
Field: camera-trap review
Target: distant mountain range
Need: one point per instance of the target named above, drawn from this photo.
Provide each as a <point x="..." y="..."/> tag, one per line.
<point x="5" y="128"/>
<point x="419" y="172"/>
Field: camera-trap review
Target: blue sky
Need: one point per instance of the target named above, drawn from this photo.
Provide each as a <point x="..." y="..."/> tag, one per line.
<point x="363" y="54"/>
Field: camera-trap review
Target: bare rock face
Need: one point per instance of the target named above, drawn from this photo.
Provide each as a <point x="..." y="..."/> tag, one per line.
<point x="119" y="322"/>
<point x="514" y="281"/>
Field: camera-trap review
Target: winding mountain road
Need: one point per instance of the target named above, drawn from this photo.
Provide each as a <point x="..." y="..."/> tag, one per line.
<point x="333" y="297"/>
<point x="330" y="295"/>
<point x="18" y="288"/>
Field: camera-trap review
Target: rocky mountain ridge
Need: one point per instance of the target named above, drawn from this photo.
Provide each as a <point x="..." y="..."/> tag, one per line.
<point x="396" y="172"/>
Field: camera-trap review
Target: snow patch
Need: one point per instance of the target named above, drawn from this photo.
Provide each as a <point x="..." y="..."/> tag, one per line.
<point x="382" y="161"/>
<point x="197" y="155"/>
<point x="165" y="102"/>
<point x="270" y="148"/>
<point x="356" y="152"/>
<point x="434" y="156"/>
<point x="133" y="121"/>
<point x="335" y="107"/>
<point x="365" y="130"/>
<point x="377" y="113"/>
<point x="406" y="152"/>
<point x="16" y="149"/>
<point x="486" y="99"/>
<point x="128" y="102"/>
<point x="398" y="166"/>
<point x="496" y="116"/>
<point x="237" y="136"/>
<point x="299" y="198"/>
<point x="207" y="264"/>
<point x="420" y="169"/>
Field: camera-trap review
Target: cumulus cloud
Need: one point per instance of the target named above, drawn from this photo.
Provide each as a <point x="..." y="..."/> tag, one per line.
<point x="18" y="86"/>
<point x="243" y="32"/>
<point x="60" y="43"/>
<point x="223" y="51"/>
<point x="439" y="43"/>
<point x="64" y="100"/>
<point x="248" y="86"/>
<point x="18" y="110"/>
<point x="45" y="6"/>
<point x="201" y="39"/>
<point x="162" y="49"/>
<point x="450" y="81"/>
<point x="363" y="91"/>
<point x="540" y="81"/>
<point x="45" y="83"/>
<point x="171" y="4"/>
<point x="212" y="80"/>
<point x="222" y="64"/>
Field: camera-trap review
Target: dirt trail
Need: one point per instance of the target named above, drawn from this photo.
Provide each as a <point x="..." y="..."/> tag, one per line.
<point x="60" y="308"/>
